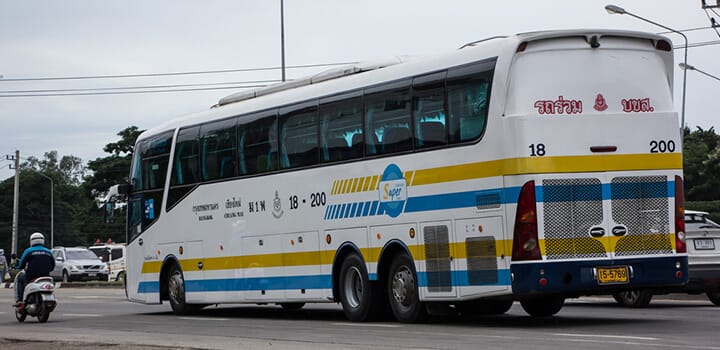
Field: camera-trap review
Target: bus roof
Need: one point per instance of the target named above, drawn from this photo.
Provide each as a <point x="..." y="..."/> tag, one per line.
<point x="353" y="77"/>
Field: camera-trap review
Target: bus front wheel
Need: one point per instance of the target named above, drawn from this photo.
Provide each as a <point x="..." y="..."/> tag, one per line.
<point x="403" y="291"/>
<point x="176" y="292"/>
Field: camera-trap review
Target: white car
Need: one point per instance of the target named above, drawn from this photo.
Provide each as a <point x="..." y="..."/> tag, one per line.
<point x="703" y="248"/>
<point x="78" y="263"/>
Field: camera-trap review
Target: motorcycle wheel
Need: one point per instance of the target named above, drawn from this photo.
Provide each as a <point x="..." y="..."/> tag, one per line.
<point x="44" y="313"/>
<point x="21" y="316"/>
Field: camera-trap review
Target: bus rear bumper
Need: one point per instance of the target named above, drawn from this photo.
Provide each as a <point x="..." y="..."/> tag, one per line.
<point x="576" y="278"/>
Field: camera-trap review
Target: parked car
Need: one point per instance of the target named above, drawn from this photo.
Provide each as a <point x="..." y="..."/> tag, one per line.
<point x="114" y="256"/>
<point x="703" y="248"/>
<point x="78" y="263"/>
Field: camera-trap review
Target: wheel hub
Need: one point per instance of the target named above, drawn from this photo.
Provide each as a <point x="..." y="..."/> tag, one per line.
<point x="401" y="284"/>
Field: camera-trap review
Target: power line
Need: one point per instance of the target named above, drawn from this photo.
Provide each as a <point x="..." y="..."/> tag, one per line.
<point x="174" y="73"/>
<point x="688" y="30"/>
<point x="132" y="92"/>
<point x="700" y="44"/>
<point x="136" y="87"/>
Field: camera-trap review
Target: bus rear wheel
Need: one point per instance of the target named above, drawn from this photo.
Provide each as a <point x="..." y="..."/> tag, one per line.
<point x="403" y="291"/>
<point x="636" y="298"/>
<point x="714" y="296"/>
<point x="176" y="292"/>
<point x="361" y="301"/>
<point x="543" y="307"/>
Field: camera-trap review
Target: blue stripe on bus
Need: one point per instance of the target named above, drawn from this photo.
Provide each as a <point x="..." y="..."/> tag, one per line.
<point x="459" y="278"/>
<point x="496" y="197"/>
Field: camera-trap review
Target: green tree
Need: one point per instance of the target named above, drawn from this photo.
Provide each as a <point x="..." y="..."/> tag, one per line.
<point x="701" y="162"/>
<point x="108" y="171"/>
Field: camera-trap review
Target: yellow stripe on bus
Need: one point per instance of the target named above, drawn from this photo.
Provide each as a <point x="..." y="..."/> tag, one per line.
<point x="458" y="250"/>
<point x="539" y="165"/>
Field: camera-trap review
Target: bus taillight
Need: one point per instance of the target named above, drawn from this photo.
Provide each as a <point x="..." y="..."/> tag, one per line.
<point x="525" y="236"/>
<point x="680" y="244"/>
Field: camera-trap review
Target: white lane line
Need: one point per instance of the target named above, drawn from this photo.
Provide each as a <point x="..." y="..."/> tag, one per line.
<point x="367" y="325"/>
<point x="204" y="319"/>
<point x="83" y="315"/>
<point x="616" y="337"/>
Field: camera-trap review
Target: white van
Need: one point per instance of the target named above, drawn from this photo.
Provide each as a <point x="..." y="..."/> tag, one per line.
<point x="114" y="256"/>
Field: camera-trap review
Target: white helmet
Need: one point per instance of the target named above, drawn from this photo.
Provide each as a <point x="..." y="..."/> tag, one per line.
<point x="37" y="238"/>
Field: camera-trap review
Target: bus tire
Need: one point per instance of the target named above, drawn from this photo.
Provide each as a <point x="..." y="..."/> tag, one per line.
<point x="543" y="307"/>
<point x="176" y="292"/>
<point x="357" y="296"/>
<point x="403" y="293"/>
<point x="714" y="296"/>
<point x="637" y="298"/>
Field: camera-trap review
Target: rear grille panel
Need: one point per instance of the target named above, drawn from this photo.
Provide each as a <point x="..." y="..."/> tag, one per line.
<point x="641" y="204"/>
<point x="481" y="260"/>
<point x="570" y="208"/>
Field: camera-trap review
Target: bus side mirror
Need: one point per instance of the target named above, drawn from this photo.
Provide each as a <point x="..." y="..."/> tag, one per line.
<point x="123" y="188"/>
<point x="109" y="212"/>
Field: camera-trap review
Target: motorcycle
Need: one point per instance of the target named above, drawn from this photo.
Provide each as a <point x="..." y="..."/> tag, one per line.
<point x="39" y="297"/>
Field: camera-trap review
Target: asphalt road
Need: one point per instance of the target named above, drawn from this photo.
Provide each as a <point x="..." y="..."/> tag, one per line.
<point x="101" y="318"/>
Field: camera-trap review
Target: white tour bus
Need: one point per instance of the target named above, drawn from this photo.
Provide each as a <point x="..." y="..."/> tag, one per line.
<point x="535" y="168"/>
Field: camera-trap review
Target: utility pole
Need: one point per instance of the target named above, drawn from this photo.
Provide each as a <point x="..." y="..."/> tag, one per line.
<point x="282" y="37"/>
<point x="16" y="198"/>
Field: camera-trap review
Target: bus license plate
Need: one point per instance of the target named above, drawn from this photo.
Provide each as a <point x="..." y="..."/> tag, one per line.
<point x="618" y="274"/>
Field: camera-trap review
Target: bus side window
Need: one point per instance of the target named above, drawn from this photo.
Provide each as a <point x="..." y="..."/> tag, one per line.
<point x="217" y="150"/>
<point x="298" y="136"/>
<point x="257" y="142"/>
<point x="429" y="110"/>
<point x="387" y="118"/>
<point x="341" y="128"/>
<point x="468" y="91"/>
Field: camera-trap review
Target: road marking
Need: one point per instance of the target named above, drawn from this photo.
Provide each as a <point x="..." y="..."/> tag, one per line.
<point x="83" y="315"/>
<point x="368" y="325"/>
<point x="616" y="337"/>
<point x="204" y="319"/>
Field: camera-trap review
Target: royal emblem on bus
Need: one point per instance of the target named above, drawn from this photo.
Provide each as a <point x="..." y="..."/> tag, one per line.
<point x="559" y="106"/>
<point x="600" y="103"/>
<point x="277" y="206"/>
<point x="392" y="191"/>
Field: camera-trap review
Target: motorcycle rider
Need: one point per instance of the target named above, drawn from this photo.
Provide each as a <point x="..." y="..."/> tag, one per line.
<point x="37" y="261"/>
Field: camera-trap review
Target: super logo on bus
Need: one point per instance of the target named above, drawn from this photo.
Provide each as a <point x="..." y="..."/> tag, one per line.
<point x="392" y="191"/>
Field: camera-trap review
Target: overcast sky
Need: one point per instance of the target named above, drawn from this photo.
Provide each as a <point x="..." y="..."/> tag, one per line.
<point x="47" y="39"/>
